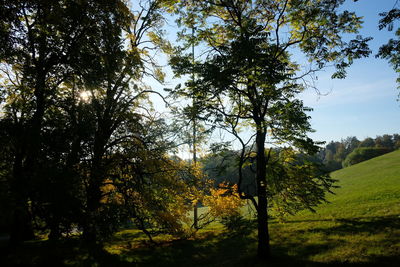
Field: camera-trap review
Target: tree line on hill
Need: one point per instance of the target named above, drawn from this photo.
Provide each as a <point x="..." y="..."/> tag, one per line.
<point x="349" y="151"/>
<point x="83" y="150"/>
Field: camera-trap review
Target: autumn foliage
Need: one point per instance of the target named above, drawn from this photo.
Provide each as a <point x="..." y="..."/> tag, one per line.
<point x="223" y="201"/>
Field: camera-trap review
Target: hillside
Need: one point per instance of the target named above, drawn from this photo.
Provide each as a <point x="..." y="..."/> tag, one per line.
<point x="361" y="224"/>
<point x="369" y="188"/>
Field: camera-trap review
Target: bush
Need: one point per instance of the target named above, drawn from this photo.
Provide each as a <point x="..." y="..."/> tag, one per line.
<point x="236" y="224"/>
<point x="332" y="165"/>
<point x="364" y="153"/>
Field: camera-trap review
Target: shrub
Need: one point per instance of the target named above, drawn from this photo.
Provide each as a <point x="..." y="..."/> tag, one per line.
<point x="364" y="153"/>
<point x="236" y="224"/>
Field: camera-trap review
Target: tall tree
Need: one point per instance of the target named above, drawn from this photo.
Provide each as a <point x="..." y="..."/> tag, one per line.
<point x="121" y="57"/>
<point x="249" y="78"/>
<point x="41" y="42"/>
<point x="190" y="117"/>
<point x="55" y="56"/>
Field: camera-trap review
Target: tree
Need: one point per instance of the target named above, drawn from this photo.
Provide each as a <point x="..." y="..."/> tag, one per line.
<point x="117" y="114"/>
<point x="396" y="141"/>
<point x="351" y="143"/>
<point x="148" y="188"/>
<point x="223" y="202"/>
<point x="385" y="141"/>
<point x="192" y="132"/>
<point x="330" y="159"/>
<point x="364" y="153"/>
<point x="42" y="44"/>
<point x="5" y="172"/>
<point x="296" y="182"/>
<point x="341" y="152"/>
<point x="222" y="167"/>
<point x="367" y="142"/>
<point x="190" y="118"/>
<point x="72" y="92"/>
<point x="248" y="78"/>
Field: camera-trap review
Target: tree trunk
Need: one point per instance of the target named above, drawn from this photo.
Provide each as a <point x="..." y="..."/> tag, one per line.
<point x="25" y="165"/>
<point x="263" y="251"/>
<point x="195" y="217"/>
<point x="21" y="228"/>
<point x="93" y="191"/>
<point x="90" y="232"/>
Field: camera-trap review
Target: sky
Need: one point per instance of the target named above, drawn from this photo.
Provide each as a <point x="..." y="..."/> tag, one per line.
<point x="362" y="105"/>
<point x="365" y="103"/>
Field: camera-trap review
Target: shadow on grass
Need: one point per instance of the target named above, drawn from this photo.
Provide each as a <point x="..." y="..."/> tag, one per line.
<point x="391" y="220"/>
<point x="208" y="250"/>
<point x="67" y="252"/>
<point x="290" y="248"/>
<point x="370" y="225"/>
<point x="363" y="241"/>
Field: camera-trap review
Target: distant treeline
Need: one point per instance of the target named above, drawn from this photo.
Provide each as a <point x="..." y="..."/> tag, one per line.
<point x="222" y="167"/>
<point x="350" y="150"/>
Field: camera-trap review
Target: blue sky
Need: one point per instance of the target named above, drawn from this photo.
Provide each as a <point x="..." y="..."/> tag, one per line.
<point x="365" y="103"/>
<point x="362" y="105"/>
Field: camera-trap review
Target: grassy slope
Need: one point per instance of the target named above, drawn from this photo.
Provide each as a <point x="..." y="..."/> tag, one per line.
<point x="360" y="226"/>
<point x="370" y="188"/>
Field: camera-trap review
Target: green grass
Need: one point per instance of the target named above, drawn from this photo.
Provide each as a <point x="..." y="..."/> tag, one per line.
<point x="370" y="188"/>
<point x="359" y="226"/>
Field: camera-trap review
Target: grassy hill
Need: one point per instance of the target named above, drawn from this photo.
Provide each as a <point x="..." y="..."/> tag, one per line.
<point x="359" y="226"/>
<point x="369" y="188"/>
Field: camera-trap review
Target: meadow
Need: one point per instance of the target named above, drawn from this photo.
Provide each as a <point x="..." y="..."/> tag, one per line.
<point x="359" y="226"/>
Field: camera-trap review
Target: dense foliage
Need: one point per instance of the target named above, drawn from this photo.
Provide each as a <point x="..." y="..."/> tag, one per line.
<point x="83" y="150"/>
<point x="334" y="154"/>
<point x="363" y="153"/>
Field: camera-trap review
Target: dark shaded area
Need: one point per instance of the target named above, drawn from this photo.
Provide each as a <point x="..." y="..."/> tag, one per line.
<point x="226" y="249"/>
<point x="364" y="153"/>
<point x="59" y="253"/>
<point x="370" y="225"/>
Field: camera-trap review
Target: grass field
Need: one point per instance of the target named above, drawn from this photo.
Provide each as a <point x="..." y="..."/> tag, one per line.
<point x="360" y="226"/>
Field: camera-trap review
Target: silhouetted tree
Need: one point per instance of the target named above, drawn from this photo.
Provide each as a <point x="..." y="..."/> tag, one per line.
<point x="43" y="42"/>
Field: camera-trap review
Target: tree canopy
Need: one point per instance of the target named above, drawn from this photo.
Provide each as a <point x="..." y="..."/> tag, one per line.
<point x="249" y="79"/>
